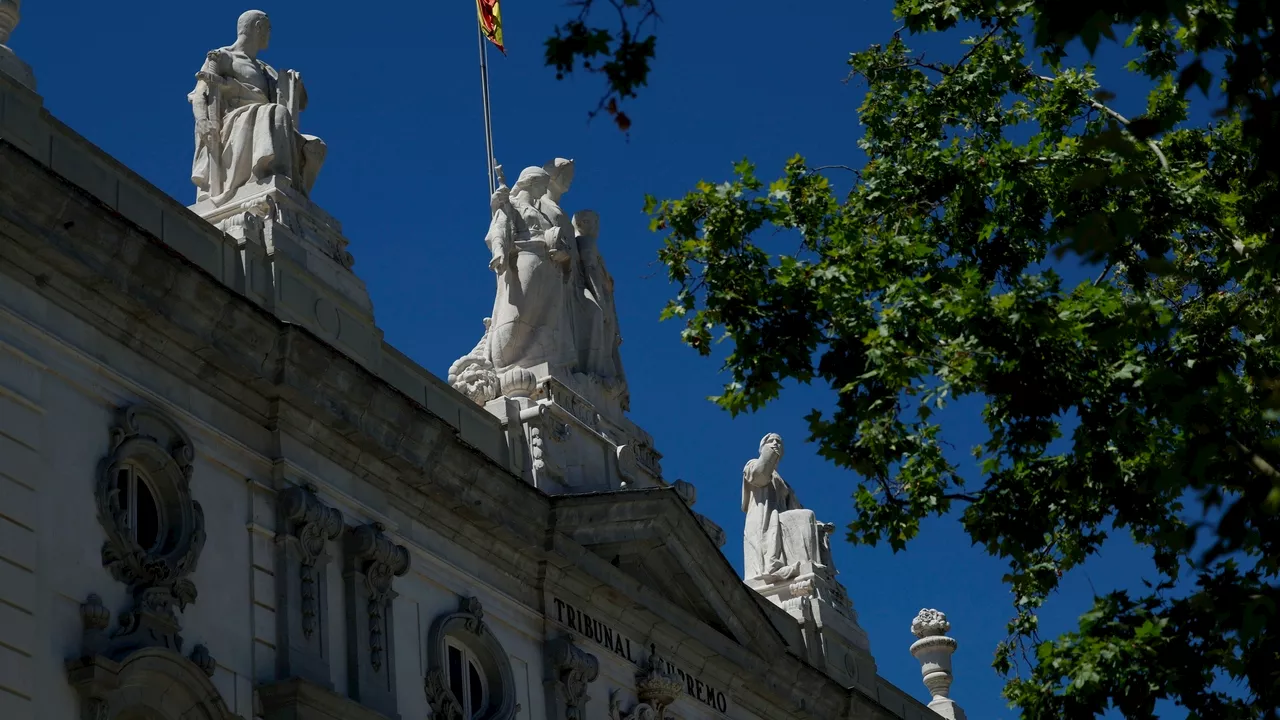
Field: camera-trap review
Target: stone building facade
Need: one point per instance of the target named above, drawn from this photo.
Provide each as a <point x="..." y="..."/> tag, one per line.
<point x="223" y="495"/>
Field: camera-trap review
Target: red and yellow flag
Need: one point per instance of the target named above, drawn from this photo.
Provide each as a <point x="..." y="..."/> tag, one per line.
<point x="491" y="22"/>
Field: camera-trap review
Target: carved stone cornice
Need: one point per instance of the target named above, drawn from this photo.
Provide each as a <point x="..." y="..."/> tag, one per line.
<point x="379" y="561"/>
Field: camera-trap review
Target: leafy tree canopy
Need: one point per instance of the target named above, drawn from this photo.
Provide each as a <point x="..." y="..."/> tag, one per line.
<point x="1143" y="399"/>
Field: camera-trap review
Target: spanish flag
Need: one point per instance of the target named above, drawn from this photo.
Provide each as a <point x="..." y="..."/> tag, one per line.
<point x="491" y="22"/>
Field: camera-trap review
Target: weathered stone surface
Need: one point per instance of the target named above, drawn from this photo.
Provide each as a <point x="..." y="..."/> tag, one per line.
<point x="111" y="314"/>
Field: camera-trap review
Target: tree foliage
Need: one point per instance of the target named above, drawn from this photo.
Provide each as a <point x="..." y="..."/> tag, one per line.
<point x="622" y="53"/>
<point x="1143" y="398"/>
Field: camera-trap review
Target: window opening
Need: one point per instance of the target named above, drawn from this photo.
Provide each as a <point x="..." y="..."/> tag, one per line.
<point x="142" y="512"/>
<point x="466" y="681"/>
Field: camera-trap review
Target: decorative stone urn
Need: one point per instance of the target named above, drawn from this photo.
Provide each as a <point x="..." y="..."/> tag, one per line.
<point x="934" y="649"/>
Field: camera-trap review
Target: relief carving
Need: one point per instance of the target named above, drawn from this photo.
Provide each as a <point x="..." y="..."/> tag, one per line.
<point x="573" y="669"/>
<point x="380" y="561"/>
<point x="313" y="523"/>
<point x="154" y="528"/>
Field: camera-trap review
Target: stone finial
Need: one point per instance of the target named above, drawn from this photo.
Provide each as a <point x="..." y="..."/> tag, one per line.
<point x="10" y="63"/>
<point x="934" y="649"/>
<point x="929" y="623"/>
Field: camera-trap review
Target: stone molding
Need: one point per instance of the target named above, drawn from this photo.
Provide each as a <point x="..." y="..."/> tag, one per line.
<point x="298" y="699"/>
<point x="467" y="626"/>
<point x="373" y="561"/>
<point x="305" y="525"/>
<point x="569" y="670"/>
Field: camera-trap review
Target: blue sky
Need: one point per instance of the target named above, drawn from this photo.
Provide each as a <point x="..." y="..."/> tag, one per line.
<point x="394" y="92"/>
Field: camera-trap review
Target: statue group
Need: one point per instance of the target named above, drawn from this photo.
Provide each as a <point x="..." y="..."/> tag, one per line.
<point x="553" y="313"/>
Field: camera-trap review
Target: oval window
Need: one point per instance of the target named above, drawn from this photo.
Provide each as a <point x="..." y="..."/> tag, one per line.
<point x="141" y="509"/>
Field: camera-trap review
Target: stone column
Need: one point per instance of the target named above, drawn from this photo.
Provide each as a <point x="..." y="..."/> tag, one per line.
<point x="933" y="650"/>
<point x="372" y="562"/>
<point x="10" y="63"/>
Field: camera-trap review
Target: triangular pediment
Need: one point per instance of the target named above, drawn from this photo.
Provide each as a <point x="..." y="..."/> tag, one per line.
<point x="653" y="537"/>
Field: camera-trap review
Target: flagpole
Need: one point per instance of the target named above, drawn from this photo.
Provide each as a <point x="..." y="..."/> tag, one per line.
<point x="484" y="91"/>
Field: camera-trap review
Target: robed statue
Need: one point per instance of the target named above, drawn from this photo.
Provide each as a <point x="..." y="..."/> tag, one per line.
<point x="247" y="120"/>
<point x="554" y="308"/>
<point x="782" y="540"/>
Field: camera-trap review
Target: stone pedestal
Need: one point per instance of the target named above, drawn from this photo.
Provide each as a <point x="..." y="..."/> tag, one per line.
<point x="820" y="604"/>
<point x="563" y="443"/>
<point x="297" y="266"/>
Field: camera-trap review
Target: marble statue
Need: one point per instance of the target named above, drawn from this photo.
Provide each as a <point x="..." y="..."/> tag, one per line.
<point x="782" y="539"/>
<point x="531" y="244"/>
<point x="554" y="306"/>
<point x="596" y="332"/>
<point x="247" y="120"/>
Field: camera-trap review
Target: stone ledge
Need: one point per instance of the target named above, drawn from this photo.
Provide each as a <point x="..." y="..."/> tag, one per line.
<point x="298" y="699"/>
<point x="121" y="281"/>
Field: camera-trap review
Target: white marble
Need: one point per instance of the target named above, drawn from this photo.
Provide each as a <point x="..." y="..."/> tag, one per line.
<point x="553" y="313"/>
<point x="781" y="539"/>
<point x="934" y="649"/>
<point x="10" y="63"/>
<point x="246" y="117"/>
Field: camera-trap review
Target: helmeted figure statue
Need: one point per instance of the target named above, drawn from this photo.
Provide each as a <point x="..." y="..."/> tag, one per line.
<point x="553" y="312"/>
<point x="781" y="539"/>
<point x="532" y="250"/>
<point x="246" y="120"/>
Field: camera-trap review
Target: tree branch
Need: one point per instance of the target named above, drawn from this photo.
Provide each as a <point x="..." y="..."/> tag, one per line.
<point x="1155" y="147"/>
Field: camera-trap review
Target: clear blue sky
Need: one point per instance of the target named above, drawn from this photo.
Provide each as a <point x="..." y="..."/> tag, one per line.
<point x="394" y="92"/>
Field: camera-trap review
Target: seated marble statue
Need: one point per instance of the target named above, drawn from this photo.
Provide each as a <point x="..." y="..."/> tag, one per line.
<point x="782" y="539"/>
<point x="246" y="120"/>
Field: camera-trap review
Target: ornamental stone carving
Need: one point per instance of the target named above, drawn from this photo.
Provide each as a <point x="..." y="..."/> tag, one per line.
<point x="570" y="670"/>
<point x="154" y="528"/>
<point x="116" y="674"/>
<point x="656" y="690"/>
<point x="467" y="627"/>
<point x="933" y="650"/>
<point x="930" y="623"/>
<point x="373" y="561"/>
<point x="313" y="523"/>
<point x="305" y="526"/>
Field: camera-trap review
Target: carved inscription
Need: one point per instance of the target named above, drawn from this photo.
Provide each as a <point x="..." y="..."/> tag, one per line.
<point x="582" y="621"/>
